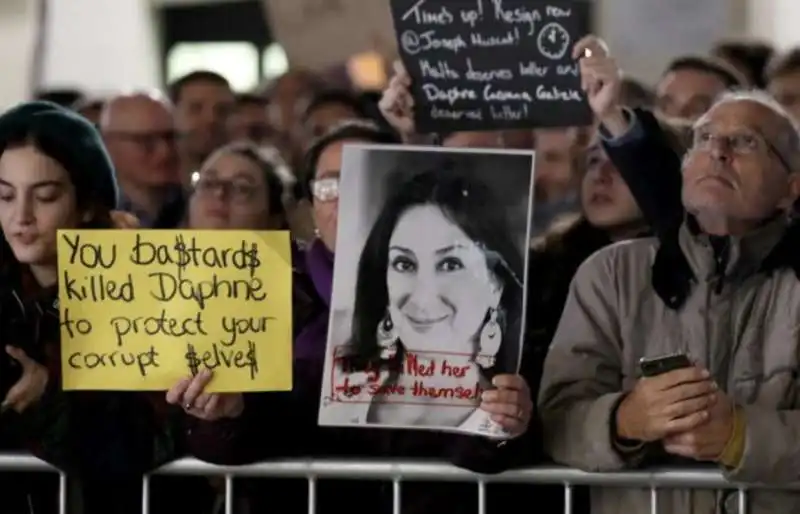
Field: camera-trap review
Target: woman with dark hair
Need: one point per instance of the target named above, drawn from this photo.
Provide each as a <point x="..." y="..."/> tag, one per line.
<point x="55" y="174"/>
<point x="458" y="290"/>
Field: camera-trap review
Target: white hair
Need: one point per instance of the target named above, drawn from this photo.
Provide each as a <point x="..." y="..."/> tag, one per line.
<point x="788" y="143"/>
<point x="154" y="95"/>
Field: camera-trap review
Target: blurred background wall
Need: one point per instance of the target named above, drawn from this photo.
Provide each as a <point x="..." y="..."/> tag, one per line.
<point x="101" y="45"/>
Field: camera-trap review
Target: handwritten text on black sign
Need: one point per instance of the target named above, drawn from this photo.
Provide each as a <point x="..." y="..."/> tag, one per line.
<point x="491" y="64"/>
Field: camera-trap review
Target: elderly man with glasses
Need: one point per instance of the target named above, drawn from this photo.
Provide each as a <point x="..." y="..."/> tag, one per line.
<point x="721" y="288"/>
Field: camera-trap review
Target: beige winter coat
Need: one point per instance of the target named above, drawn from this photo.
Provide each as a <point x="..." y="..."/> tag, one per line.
<point x="746" y="335"/>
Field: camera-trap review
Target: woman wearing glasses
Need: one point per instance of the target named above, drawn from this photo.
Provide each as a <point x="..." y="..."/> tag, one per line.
<point x="238" y="188"/>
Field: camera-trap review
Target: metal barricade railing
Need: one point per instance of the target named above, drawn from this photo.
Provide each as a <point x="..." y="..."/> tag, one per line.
<point x="398" y="471"/>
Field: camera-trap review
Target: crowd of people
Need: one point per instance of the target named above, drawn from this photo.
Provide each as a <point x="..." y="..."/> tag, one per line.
<point x="666" y="227"/>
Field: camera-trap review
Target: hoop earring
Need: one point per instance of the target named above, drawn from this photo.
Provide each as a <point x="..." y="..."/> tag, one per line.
<point x="489" y="341"/>
<point x="387" y="337"/>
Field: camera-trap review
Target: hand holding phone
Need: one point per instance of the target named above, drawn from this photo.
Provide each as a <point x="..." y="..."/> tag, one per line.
<point x="673" y="396"/>
<point x="652" y="367"/>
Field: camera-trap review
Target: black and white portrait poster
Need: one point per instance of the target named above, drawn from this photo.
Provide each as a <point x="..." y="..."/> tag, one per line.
<point x="429" y="286"/>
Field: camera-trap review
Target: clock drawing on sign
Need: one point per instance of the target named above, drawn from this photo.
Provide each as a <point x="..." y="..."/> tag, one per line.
<point x="553" y="41"/>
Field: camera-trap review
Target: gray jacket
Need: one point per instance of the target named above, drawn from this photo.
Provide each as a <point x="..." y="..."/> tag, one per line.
<point x="744" y="329"/>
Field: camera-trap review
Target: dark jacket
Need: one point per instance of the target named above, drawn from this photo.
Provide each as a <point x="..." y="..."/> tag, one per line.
<point x="554" y="259"/>
<point x="96" y="436"/>
<point x="649" y="161"/>
<point x="297" y="412"/>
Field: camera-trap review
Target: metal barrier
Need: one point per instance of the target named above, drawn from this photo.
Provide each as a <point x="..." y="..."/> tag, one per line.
<point x="397" y="471"/>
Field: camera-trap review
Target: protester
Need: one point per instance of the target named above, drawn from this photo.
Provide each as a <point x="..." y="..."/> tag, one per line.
<point x="690" y="84"/>
<point x="668" y="226"/>
<point x="286" y="93"/>
<point x="237" y="188"/>
<point x="733" y="258"/>
<point x="609" y="214"/>
<point x="287" y="96"/>
<point x="248" y="121"/>
<point x="203" y="102"/>
<point x="557" y="185"/>
<point x="328" y="109"/>
<point x="56" y="174"/>
<point x="635" y="141"/>
<point x="396" y="107"/>
<point x="320" y="181"/>
<point x="558" y="151"/>
<point x="139" y="132"/>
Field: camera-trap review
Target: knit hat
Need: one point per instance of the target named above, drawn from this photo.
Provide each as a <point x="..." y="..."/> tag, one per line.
<point x="71" y="140"/>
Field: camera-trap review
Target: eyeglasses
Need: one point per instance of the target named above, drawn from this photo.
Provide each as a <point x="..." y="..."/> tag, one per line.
<point x="148" y="141"/>
<point x="239" y="191"/>
<point x="740" y="143"/>
<point x="325" y="189"/>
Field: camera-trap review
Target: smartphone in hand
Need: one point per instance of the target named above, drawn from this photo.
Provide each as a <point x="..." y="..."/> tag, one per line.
<point x="655" y="366"/>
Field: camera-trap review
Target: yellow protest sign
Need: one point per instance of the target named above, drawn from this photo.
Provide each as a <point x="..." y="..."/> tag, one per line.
<point x="141" y="309"/>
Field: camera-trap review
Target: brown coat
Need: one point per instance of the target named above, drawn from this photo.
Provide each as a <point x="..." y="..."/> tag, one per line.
<point x="738" y="320"/>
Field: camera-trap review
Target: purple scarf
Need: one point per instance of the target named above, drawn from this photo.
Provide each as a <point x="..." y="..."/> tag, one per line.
<point x="311" y="340"/>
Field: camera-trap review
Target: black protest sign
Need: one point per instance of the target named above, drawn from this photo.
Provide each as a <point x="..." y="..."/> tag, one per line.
<point x="493" y="64"/>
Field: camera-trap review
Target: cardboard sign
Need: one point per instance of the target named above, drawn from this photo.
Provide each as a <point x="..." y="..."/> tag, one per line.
<point x="142" y="309"/>
<point x="493" y="64"/>
<point x="319" y="34"/>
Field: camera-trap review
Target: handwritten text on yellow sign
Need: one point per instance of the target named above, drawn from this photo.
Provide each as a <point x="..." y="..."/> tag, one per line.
<point x="141" y="309"/>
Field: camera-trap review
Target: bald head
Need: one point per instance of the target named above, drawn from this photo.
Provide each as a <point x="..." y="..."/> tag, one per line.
<point x="126" y="111"/>
<point x="139" y="131"/>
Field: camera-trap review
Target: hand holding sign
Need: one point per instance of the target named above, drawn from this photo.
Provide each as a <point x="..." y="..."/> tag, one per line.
<point x="601" y="79"/>
<point x="487" y="65"/>
<point x="397" y="104"/>
<point x="31" y="385"/>
<point x="510" y="404"/>
<point x="189" y="393"/>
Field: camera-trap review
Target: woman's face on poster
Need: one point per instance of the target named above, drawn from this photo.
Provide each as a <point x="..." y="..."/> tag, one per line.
<point x="439" y="284"/>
